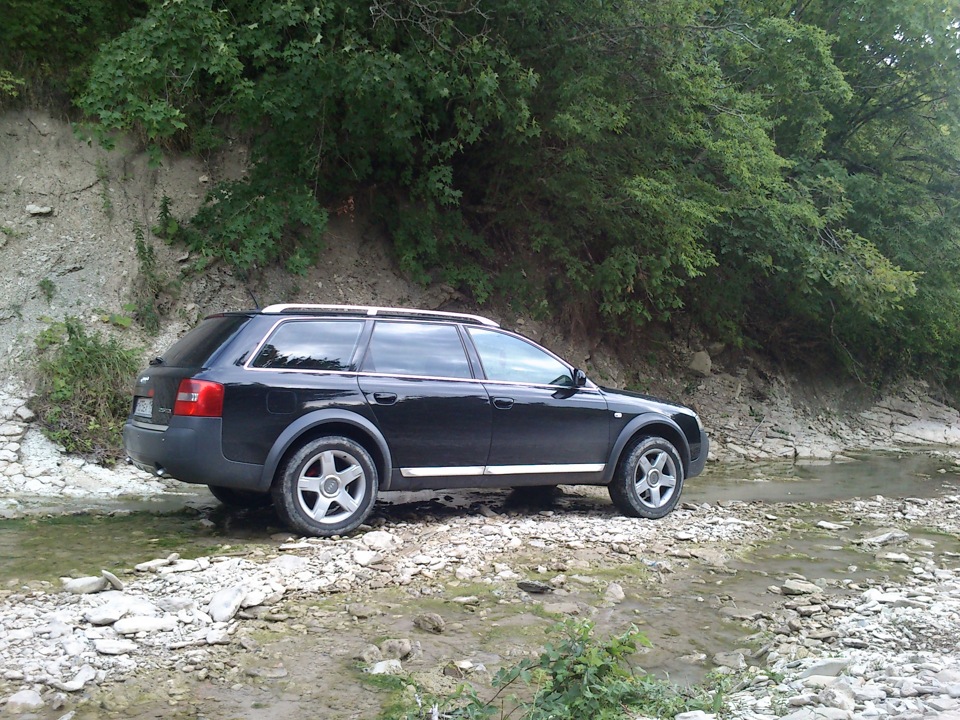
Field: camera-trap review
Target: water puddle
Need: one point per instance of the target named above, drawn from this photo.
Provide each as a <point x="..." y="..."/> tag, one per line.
<point x="888" y="474"/>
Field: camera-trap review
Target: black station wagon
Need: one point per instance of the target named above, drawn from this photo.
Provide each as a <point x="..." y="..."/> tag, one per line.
<point x="318" y="408"/>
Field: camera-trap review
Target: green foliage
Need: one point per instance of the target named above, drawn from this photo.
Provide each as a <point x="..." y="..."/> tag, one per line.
<point x="784" y="172"/>
<point x="10" y="85"/>
<point x="249" y="226"/>
<point x="151" y="292"/>
<point x="83" y="389"/>
<point x="48" y="45"/>
<point x="47" y="288"/>
<point x="575" y="678"/>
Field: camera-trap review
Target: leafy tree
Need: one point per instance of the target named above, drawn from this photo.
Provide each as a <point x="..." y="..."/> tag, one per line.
<point x="785" y="171"/>
<point x="51" y="43"/>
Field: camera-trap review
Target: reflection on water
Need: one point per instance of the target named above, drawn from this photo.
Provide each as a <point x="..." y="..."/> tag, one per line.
<point x="889" y="475"/>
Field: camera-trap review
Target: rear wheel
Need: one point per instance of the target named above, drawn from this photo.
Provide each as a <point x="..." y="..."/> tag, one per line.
<point x="327" y="487"/>
<point x="240" y="498"/>
<point x="648" y="479"/>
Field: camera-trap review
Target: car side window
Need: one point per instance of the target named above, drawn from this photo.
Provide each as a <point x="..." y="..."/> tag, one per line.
<point x="310" y="345"/>
<point x="419" y="349"/>
<point x="510" y="359"/>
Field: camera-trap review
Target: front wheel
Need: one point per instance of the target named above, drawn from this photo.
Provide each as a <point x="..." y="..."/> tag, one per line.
<point x="648" y="479"/>
<point x="327" y="487"/>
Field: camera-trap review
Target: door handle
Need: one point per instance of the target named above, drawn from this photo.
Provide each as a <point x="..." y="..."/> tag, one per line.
<point x="385" y="398"/>
<point x="503" y="403"/>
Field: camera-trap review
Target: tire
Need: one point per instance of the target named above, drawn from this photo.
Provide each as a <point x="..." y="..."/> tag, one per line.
<point x="327" y="487"/>
<point x="648" y="479"/>
<point x="240" y="498"/>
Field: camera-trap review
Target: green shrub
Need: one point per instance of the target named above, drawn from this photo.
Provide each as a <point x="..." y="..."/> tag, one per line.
<point x="578" y="677"/>
<point x="151" y="293"/>
<point x="83" y="393"/>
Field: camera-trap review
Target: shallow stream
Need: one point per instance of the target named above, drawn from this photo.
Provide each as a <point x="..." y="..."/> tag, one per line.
<point x="679" y="614"/>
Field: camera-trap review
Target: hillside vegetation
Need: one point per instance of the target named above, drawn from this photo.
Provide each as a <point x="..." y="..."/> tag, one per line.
<point x="786" y="175"/>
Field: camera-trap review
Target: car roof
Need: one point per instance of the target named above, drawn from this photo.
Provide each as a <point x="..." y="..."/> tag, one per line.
<point x="375" y="311"/>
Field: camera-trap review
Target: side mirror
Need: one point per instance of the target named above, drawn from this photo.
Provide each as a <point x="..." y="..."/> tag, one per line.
<point x="579" y="377"/>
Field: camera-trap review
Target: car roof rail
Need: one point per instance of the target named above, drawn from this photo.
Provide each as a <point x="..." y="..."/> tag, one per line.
<point x="375" y="311"/>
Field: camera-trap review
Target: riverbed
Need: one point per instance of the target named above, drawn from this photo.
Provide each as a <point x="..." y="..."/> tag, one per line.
<point x="696" y="584"/>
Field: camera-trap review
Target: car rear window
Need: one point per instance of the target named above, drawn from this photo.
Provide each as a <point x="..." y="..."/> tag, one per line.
<point x="197" y="347"/>
<point x="310" y="345"/>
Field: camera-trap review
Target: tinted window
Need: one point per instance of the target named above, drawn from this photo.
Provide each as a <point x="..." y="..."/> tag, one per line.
<point x="415" y="349"/>
<point x="310" y="345"/>
<point x="508" y="358"/>
<point x="195" y="348"/>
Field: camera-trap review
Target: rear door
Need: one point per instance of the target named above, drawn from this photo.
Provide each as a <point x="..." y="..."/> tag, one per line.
<point x="433" y="413"/>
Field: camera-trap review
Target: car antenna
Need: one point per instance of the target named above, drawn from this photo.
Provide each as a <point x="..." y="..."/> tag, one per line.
<point x="256" y="303"/>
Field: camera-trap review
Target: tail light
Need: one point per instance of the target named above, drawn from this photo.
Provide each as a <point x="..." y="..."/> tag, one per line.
<point x="199" y="398"/>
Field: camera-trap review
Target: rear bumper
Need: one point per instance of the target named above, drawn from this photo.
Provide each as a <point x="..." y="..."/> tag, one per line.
<point x="189" y="450"/>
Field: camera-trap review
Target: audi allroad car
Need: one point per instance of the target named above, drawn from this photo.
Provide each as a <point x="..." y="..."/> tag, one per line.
<point x="318" y="408"/>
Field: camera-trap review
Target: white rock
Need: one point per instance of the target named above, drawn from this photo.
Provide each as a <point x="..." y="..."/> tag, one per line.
<point x="800" y="587"/>
<point x="33" y="209"/>
<point x="83" y="676"/>
<point x="109" y="646"/>
<point x="381" y="540"/>
<point x="144" y="623"/>
<point x="386" y="667"/>
<point x="25" y="701"/>
<point x="614" y="593"/>
<point x="829" y="666"/>
<point x="365" y="558"/>
<point x="25" y="414"/>
<point x="85" y="585"/>
<point x="225" y="603"/>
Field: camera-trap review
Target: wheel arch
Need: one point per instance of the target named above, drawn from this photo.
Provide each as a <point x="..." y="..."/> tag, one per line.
<point x="647" y="425"/>
<point x="323" y="423"/>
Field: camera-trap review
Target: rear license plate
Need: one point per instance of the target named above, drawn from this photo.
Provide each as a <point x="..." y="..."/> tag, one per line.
<point x="144" y="407"/>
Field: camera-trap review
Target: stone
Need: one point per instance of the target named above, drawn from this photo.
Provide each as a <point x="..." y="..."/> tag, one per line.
<point x="733" y="660"/>
<point x="563" y="608"/>
<point x="25" y="701"/>
<point x="83" y="676"/>
<point x="132" y="625"/>
<point x="386" y="667"/>
<point x="33" y="209"/>
<point x="107" y="646"/>
<point x="365" y="558"/>
<point x="114" y="581"/>
<point x="829" y="666"/>
<point x="396" y="648"/>
<point x="85" y="585"/>
<point x="838" y="696"/>
<point x="225" y="603"/>
<point x="25" y="414"/>
<point x="614" y="593"/>
<point x="831" y="526"/>
<point x="369" y="655"/>
<point x="381" y="541"/>
<point x="431" y="622"/>
<point x="106" y="614"/>
<point x="534" y="587"/>
<point x="800" y="587"/>
<point x="701" y="363"/>
<point x="888" y="537"/>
